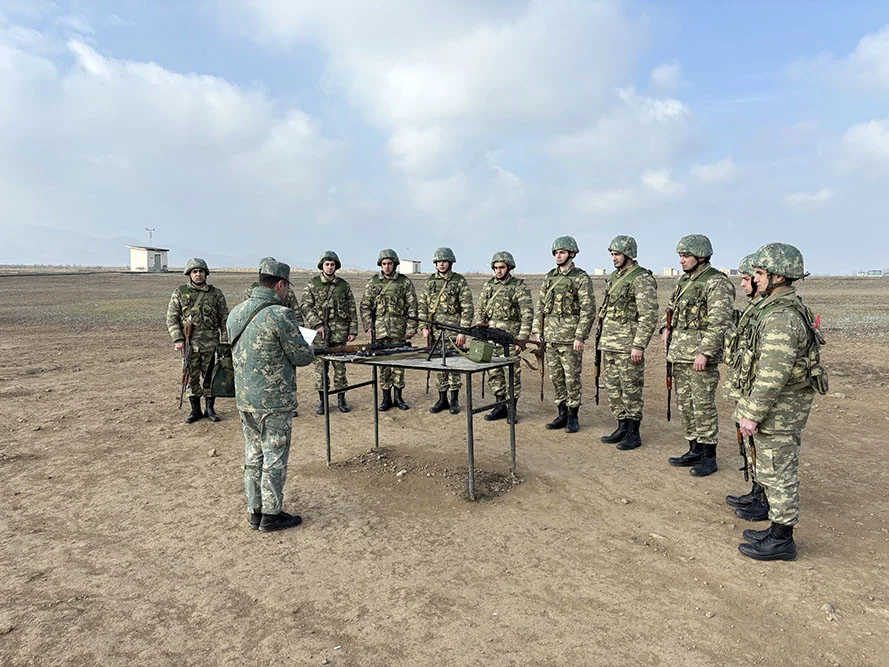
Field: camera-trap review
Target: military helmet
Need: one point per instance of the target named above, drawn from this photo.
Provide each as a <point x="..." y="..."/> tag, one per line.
<point x="329" y="255"/>
<point x="388" y="253"/>
<point x="746" y="265"/>
<point x="272" y="267"/>
<point x="565" y="243"/>
<point x="444" y="255"/>
<point x="625" y="245"/>
<point x="505" y="257"/>
<point x="780" y="259"/>
<point x="196" y="263"/>
<point x="696" y="245"/>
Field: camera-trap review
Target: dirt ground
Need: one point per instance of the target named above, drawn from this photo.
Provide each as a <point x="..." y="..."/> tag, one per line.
<point x="124" y="537"/>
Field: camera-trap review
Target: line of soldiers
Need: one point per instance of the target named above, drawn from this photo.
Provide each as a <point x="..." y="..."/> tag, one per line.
<point x="771" y="349"/>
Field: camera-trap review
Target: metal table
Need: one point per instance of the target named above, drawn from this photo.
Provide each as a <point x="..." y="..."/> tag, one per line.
<point x="462" y="365"/>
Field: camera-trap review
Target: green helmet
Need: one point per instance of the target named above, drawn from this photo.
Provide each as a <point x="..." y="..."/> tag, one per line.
<point x="329" y="255"/>
<point x="625" y="245"/>
<point x="780" y="259"/>
<point x="746" y="265"/>
<point x="565" y="243"/>
<point x="388" y="253"/>
<point x="444" y="255"/>
<point x="196" y="263"/>
<point x="696" y="245"/>
<point x="504" y="257"/>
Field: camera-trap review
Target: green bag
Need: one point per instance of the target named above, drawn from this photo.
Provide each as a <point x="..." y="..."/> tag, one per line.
<point x="222" y="378"/>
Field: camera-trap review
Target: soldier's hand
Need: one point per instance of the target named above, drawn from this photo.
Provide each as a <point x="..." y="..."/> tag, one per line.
<point x="409" y="336"/>
<point x="701" y="362"/>
<point x="578" y="346"/>
<point x="636" y="356"/>
<point x="367" y="331"/>
<point x="320" y="331"/>
<point x="426" y="335"/>
<point x="748" y="427"/>
<point x="460" y="340"/>
<point x="350" y="338"/>
<point x="180" y="346"/>
<point x="664" y="335"/>
<point x="535" y="338"/>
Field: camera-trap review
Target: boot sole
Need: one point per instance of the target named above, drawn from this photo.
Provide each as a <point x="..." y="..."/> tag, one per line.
<point x="627" y="448"/>
<point x="757" y="556"/>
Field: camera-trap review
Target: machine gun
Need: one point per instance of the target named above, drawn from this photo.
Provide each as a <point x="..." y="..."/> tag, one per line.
<point x="480" y="331"/>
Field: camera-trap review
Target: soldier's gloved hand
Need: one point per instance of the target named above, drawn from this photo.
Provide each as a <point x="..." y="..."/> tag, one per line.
<point x="180" y="346"/>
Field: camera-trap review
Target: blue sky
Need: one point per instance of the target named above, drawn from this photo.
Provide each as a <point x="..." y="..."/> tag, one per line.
<point x="239" y="129"/>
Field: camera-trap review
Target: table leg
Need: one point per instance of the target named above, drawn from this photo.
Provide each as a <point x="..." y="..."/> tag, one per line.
<point x="325" y="387"/>
<point x="511" y="412"/>
<point x="376" y="388"/>
<point x="469" y="436"/>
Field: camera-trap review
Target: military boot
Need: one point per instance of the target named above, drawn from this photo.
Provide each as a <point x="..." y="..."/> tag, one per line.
<point x="455" y="405"/>
<point x="572" y="426"/>
<point x="707" y="464"/>
<point x="754" y="536"/>
<point x="746" y="499"/>
<point x="255" y="517"/>
<point x="319" y="409"/>
<point x="618" y="433"/>
<point x="441" y="403"/>
<point x="386" y="403"/>
<point x="777" y="545"/>
<point x="515" y="414"/>
<point x="210" y="401"/>
<point x="341" y="404"/>
<point x="280" y="521"/>
<point x="562" y="420"/>
<point x="690" y="458"/>
<point x="758" y="510"/>
<point x="499" y="411"/>
<point x="195" y="413"/>
<point x="632" y="439"/>
<point x="399" y="400"/>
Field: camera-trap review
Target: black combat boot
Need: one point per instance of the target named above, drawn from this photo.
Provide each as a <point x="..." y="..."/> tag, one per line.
<point x="341" y="404"/>
<point x="455" y="405"/>
<point x="399" y="400"/>
<point x="690" y="458"/>
<point x="618" y="433"/>
<point x="758" y="510"/>
<point x="707" y="464"/>
<point x="562" y="420"/>
<point x="632" y="439"/>
<point x="210" y="401"/>
<point x="777" y="545"/>
<point x="386" y="403"/>
<point x="499" y="411"/>
<point x="515" y="414"/>
<point x="280" y="521"/>
<point x="441" y="403"/>
<point x="573" y="425"/>
<point x="195" y="413"/>
<point x="255" y="517"/>
<point x="746" y="499"/>
<point x="319" y="409"/>
<point x="754" y="536"/>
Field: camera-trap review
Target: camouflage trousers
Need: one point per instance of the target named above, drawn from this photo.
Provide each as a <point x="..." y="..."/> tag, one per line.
<point x="445" y="380"/>
<point x="267" y="447"/>
<point x="696" y="396"/>
<point x="199" y="367"/>
<point x="339" y="374"/>
<point x="390" y="377"/>
<point x="564" y="371"/>
<point x="624" y="381"/>
<point x="498" y="380"/>
<point x="777" y="471"/>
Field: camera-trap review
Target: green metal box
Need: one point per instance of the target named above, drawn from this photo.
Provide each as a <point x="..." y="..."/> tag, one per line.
<point x="481" y="351"/>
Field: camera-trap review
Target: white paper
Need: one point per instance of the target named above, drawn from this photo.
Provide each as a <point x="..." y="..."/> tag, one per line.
<point x="308" y="334"/>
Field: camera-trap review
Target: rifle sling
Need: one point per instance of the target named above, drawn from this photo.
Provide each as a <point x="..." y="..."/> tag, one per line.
<point x="249" y="320"/>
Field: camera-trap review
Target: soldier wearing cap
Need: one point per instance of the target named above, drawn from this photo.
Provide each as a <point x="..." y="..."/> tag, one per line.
<point x="267" y="348"/>
<point x="203" y="306"/>
<point x="290" y="300"/>
<point x="564" y="316"/>
<point x="329" y="307"/>
<point x="701" y="307"/>
<point x="505" y="302"/>
<point x="447" y="299"/>
<point x="387" y="306"/>
<point x="628" y="318"/>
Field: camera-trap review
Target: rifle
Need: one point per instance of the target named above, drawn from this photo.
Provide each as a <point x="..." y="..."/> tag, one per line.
<point x="669" y="313"/>
<point x="325" y="323"/>
<point x="481" y="331"/>
<point x="186" y="361"/>
<point x="365" y="350"/>
<point x="598" y="365"/>
<point x="743" y="451"/>
<point x="539" y="354"/>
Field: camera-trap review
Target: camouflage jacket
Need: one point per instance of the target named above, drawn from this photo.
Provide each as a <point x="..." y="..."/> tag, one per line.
<point x="204" y="307"/>
<point x="387" y="304"/>
<point x="628" y="314"/>
<point x="336" y="295"/>
<point x="446" y="299"/>
<point x="702" y="306"/>
<point x="266" y="354"/>
<point x="506" y="305"/>
<point x="735" y="339"/>
<point x="776" y="366"/>
<point x="566" y="307"/>
<point x="291" y="302"/>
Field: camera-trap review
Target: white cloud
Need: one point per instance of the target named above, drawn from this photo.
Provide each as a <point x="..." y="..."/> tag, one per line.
<point x="866" y="143"/>
<point x="808" y="200"/>
<point x="607" y="202"/>
<point x="417" y="149"/>
<point x="867" y="67"/>
<point x="660" y="181"/>
<point x="666" y="78"/>
<point x="723" y="171"/>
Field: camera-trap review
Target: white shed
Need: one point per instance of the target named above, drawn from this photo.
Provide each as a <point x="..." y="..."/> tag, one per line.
<point x="144" y="259"/>
<point x="411" y="266"/>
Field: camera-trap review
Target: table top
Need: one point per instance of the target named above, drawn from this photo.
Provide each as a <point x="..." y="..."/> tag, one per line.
<point x="458" y="364"/>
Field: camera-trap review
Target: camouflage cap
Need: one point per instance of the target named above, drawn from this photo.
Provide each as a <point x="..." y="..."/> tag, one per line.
<point x="444" y="255"/>
<point x="264" y="260"/>
<point x="565" y="243"/>
<point x="329" y="255"/>
<point x="625" y="245"/>
<point x="273" y="267"/>
<point x="697" y="245"/>
<point x="196" y="263"/>
<point x="746" y="265"/>
<point x="505" y="257"/>
<point x="781" y="259"/>
<point x="388" y="253"/>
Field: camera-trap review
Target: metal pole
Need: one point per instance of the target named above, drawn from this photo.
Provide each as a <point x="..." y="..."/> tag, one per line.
<point x="469" y="436"/>
<point x="512" y="418"/>
<point x="325" y="386"/>
<point x="374" y="407"/>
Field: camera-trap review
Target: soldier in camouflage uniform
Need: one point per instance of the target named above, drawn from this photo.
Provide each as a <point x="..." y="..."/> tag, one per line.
<point x="328" y="294"/>
<point x="627" y="320"/>
<point x="701" y="307"/>
<point x="505" y="303"/>
<point x="290" y="300"/>
<point x="388" y="303"/>
<point x="563" y="319"/>
<point x="778" y="374"/>
<point x="267" y="347"/>
<point x="447" y="299"/>
<point x="199" y="303"/>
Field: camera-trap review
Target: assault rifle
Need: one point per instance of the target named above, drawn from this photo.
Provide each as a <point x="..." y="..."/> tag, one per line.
<point x="743" y="452"/>
<point x="368" y="350"/>
<point x="669" y="313"/>
<point x="539" y="354"/>
<point x="325" y="323"/>
<point x="186" y="361"/>
<point x="597" y="369"/>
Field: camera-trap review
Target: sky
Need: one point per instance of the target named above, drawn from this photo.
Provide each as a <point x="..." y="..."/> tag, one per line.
<point x="238" y="129"/>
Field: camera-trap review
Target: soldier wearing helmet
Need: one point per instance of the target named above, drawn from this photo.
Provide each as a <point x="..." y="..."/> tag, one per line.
<point x="627" y="320"/>
<point x="701" y="308"/>
<point x="777" y="379"/>
<point x="447" y="299"/>
<point x="329" y="307"/>
<point x="505" y="302"/>
<point x="203" y="306"/>
<point x="388" y="303"/>
<point x="290" y="300"/>
<point x="566" y="309"/>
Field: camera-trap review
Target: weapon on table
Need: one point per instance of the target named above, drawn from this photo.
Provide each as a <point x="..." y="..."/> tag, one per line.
<point x="539" y="354"/>
<point x="481" y="331"/>
<point x="186" y="361"/>
<point x="597" y="369"/>
<point x="368" y="350"/>
<point x="669" y="313"/>
<point x="743" y="451"/>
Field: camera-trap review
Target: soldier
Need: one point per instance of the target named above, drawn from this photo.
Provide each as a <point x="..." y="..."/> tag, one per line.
<point x="564" y="318"/>
<point x="446" y="298"/>
<point x="203" y="306"/>
<point x="290" y="300"/>
<point x="627" y="320"/>
<point x="701" y="307"/>
<point x="505" y="303"/>
<point x="329" y="306"/>
<point x="778" y="375"/>
<point x="267" y="346"/>
<point x="387" y="306"/>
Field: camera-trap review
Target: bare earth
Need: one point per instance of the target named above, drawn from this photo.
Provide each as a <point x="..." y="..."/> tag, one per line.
<point x="124" y="538"/>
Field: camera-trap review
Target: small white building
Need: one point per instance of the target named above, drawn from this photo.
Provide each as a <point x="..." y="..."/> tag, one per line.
<point x="670" y="272"/>
<point x="151" y="260"/>
<point x="598" y="271"/>
<point x="410" y="266"/>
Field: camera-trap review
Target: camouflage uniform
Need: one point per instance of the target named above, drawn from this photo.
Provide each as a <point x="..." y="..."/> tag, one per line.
<point x="448" y="300"/>
<point x="267" y="350"/>
<point x="386" y="305"/>
<point x="291" y="302"/>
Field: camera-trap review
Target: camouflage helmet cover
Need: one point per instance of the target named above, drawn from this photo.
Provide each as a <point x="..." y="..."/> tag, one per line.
<point x="565" y="243"/>
<point x="781" y="259"/>
<point x="625" y="245"/>
<point x="272" y="267"/>
<point x="388" y="253"/>
<point x="444" y="255"/>
<point x="746" y="265"/>
<point x="196" y="263"/>
<point x="329" y="255"/>
<point x="505" y="257"/>
<point x="696" y="245"/>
